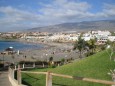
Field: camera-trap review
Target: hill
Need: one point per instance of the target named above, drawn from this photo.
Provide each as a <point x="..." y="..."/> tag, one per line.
<point x="79" y="26"/>
<point x="96" y="66"/>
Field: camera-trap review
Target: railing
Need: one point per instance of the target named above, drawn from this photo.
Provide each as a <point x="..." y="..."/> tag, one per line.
<point x="11" y="75"/>
<point x="49" y="76"/>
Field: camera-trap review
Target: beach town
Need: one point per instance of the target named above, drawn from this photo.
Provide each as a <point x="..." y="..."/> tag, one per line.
<point x="57" y="42"/>
<point x="57" y="50"/>
<point x="58" y="46"/>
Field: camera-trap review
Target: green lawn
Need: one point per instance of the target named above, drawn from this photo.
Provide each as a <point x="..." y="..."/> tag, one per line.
<point x="96" y="66"/>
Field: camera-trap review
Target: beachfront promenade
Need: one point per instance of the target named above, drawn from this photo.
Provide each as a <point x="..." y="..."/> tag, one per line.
<point x="57" y="52"/>
<point x="4" y="81"/>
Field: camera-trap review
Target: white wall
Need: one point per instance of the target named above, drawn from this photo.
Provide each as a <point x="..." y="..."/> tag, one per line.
<point x="111" y="38"/>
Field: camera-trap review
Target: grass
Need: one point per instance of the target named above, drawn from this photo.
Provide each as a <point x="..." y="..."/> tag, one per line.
<point x="96" y="66"/>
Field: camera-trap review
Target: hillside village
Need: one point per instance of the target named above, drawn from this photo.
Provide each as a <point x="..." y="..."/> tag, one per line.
<point x="102" y="36"/>
<point x="59" y="45"/>
<point x="60" y="59"/>
<point x="70" y="36"/>
<point x="61" y="49"/>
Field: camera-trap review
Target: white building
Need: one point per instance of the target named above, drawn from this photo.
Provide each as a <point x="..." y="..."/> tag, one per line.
<point x="111" y="38"/>
<point x="56" y="37"/>
<point x="86" y="38"/>
<point x="101" y="33"/>
<point x="102" y="40"/>
<point x="72" y="38"/>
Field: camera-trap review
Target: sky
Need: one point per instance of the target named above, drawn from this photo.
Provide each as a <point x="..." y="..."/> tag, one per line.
<point x="16" y="15"/>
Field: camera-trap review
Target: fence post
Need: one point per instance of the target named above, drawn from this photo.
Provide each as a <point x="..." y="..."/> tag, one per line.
<point x="43" y="65"/>
<point x="19" y="75"/>
<point x="33" y="64"/>
<point x="113" y="78"/>
<point x="12" y="73"/>
<point x="23" y="65"/>
<point x="15" y="67"/>
<point x="9" y="71"/>
<point x="48" y="79"/>
<point x="58" y="64"/>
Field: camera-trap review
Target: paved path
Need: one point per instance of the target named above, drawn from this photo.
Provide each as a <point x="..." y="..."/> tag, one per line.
<point x="4" y="81"/>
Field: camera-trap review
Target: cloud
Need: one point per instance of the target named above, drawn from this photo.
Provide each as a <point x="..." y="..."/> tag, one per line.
<point x="64" y="9"/>
<point x="14" y="19"/>
<point x="108" y="12"/>
<point x="109" y="9"/>
<point x="17" y="15"/>
<point x="58" y="11"/>
<point x="61" y="11"/>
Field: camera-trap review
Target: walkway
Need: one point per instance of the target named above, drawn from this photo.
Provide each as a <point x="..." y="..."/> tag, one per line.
<point x="4" y="81"/>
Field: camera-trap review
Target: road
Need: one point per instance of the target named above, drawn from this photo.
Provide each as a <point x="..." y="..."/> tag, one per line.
<point x="4" y="81"/>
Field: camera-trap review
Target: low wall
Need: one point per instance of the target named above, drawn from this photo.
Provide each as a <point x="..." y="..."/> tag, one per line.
<point x="12" y="80"/>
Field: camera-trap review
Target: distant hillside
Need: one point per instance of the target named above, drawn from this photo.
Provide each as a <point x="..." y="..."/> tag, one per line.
<point x="79" y="26"/>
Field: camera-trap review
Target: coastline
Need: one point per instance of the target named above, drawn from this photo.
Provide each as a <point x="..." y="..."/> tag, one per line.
<point x="50" y="44"/>
<point x="51" y="49"/>
<point x="46" y="45"/>
<point x="8" y="40"/>
<point x="56" y="50"/>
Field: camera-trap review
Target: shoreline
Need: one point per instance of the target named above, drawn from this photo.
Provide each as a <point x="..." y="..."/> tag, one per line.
<point x="58" y="51"/>
<point x="48" y="44"/>
<point x="8" y="40"/>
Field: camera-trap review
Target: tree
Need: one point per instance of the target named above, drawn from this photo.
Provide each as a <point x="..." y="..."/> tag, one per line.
<point x="112" y="33"/>
<point x="80" y="45"/>
<point x="62" y="61"/>
<point x="51" y="63"/>
<point x="111" y="47"/>
<point x="91" y="45"/>
<point x="51" y="59"/>
<point x="108" y="42"/>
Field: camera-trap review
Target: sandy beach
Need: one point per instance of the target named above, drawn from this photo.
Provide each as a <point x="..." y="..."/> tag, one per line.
<point x="56" y="50"/>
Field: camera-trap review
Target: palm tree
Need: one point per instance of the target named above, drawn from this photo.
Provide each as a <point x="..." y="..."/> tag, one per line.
<point x="80" y="45"/>
<point x="51" y="64"/>
<point x="91" y="45"/>
<point x="111" y="48"/>
<point x="108" y="42"/>
<point x="51" y="59"/>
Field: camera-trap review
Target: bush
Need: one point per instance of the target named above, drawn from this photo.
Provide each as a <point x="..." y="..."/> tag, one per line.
<point x="89" y="54"/>
<point x="1" y="65"/>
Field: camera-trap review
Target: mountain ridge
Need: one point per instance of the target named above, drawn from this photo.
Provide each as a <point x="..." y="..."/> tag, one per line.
<point x="78" y="26"/>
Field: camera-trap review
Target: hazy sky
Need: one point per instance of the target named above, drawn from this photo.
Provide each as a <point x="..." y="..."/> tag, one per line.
<point x="24" y="14"/>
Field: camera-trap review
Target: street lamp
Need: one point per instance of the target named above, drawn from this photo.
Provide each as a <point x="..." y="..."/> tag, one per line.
<point x="46" y="57"/>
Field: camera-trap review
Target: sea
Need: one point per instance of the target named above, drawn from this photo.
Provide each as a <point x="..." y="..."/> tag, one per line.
<point x="19" y="45"/>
